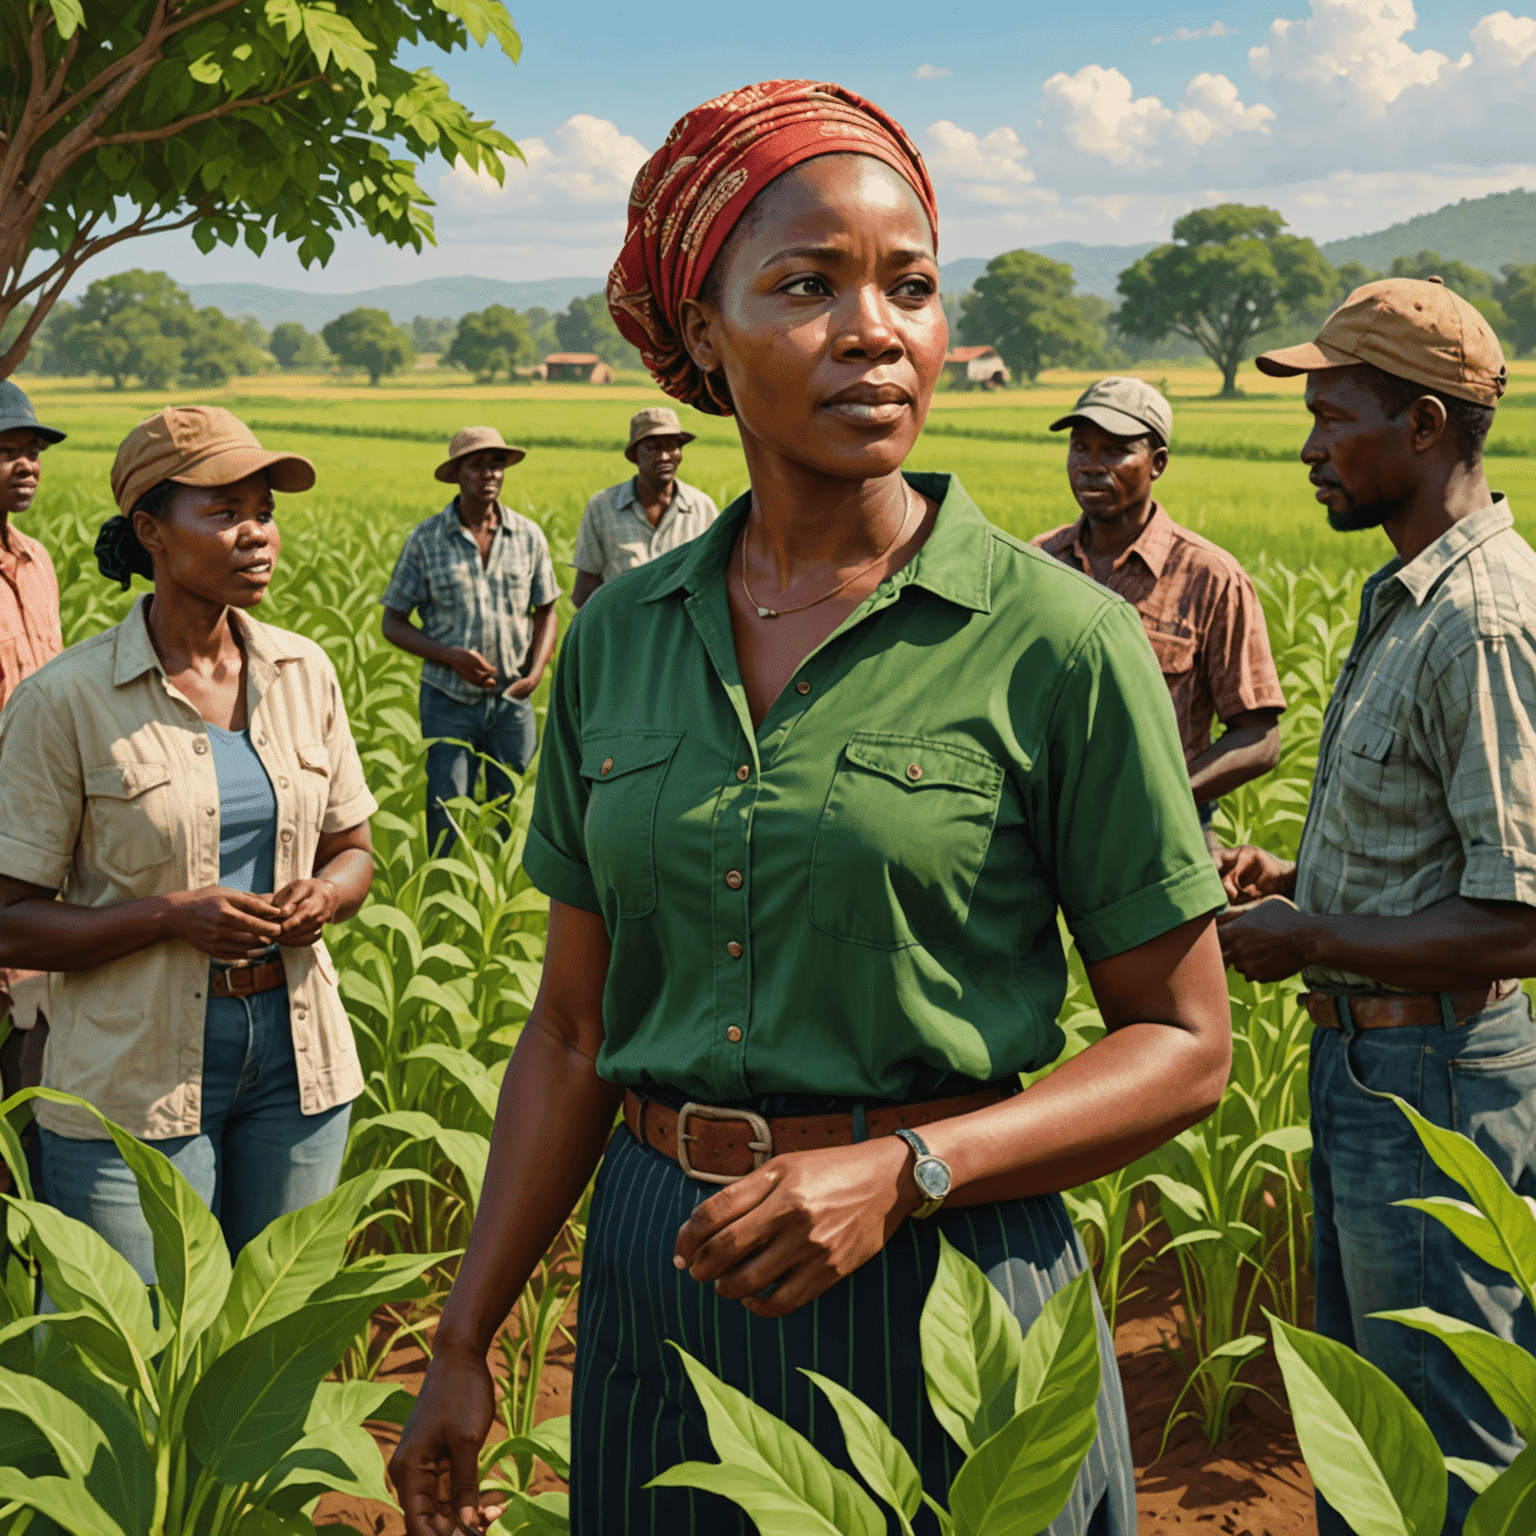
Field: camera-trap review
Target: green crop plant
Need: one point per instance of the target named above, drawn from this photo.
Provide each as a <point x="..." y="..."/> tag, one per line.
<point x="197" y="1406"/>
<point x="1023" y="1408"/>
<point x="1369" y="1450"/>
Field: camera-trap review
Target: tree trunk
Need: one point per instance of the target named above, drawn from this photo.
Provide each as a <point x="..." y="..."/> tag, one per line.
<point x="1229" y="367"/>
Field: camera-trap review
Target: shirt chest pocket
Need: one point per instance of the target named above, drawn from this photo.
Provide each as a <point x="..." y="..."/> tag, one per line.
<point x="624" y="772"/>
<point x="313" y="783"/>
<point x="902" y="839"/>
<point x="1175" y="653"/>
<point x="1370" y="768"/>
<point x="128" y="806"/>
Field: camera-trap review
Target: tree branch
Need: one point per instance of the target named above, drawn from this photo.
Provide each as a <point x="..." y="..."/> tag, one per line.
<point x="170" y="130"/>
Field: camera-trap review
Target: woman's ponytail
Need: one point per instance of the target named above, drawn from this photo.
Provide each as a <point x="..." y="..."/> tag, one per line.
<point x="119" y="555"/>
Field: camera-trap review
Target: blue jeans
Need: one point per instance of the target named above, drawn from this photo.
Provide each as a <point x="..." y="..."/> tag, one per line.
<point x="503" y="731"/>
<point x="257" y="1156"/>
<point x="1478" y="1079"/>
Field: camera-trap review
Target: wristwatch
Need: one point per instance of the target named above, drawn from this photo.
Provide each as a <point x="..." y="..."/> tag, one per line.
<point x="931" y="1173"/>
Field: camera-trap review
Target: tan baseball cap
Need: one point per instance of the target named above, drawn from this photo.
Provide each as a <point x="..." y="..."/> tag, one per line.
<point x="1123" y="406"/>
<point x="199" y="445"/>
<point x="468" y="440"/>
<point x="654" y="421"/>
<point x="1414" y="328"/>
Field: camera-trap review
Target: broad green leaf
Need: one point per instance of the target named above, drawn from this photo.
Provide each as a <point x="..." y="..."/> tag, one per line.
<point x="1477" y="1475"/>
<point x="472" y="1073"/>
<point x="84" y="1273"/>
<point x="972" y="1351"/>
<point x="60" y="1500"/>
<point x="779" y="1477"/>
<point x="68" y="15"/>
<point x="281" y="1267"/>
<point x="1507" y="1506"/>
<point x="251" y="1405"/>
<point x="483" y="18"/>
<point x="877" y="1455"/>
<point x="69" y="1429"/>
<point x="1370" y="1454"/>
<point x="1513" y="1222"/>
<point x="15" y="1158"/>
<point x="192" y="1266"/>
<point x="1503" y="1370"/>
<point x="1020" y="1479"/>
<point x="334" y="37"/>
<point x="539" y="1514"/>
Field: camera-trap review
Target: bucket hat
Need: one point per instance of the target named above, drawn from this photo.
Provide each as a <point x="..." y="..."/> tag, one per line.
<point x="468" y="440"/>
<point x="654" y="421"/>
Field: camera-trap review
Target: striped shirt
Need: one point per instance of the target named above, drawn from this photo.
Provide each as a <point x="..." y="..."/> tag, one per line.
<point x="616" y="535"/>
<point x="478" y="605"/>
<point x="1426" y="771"/>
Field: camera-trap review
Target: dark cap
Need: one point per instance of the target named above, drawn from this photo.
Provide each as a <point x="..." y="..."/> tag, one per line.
<point x="16" y="411"/>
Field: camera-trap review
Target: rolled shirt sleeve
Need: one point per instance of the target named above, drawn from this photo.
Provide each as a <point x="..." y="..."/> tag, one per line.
<point x="1483" y="732"/>
<point x="1130" y="859"/>
<point x="350" y="802"/>
<point x="42" y="795"/>
<point x="1239" y="666"/>
<point x="555" y="854"/>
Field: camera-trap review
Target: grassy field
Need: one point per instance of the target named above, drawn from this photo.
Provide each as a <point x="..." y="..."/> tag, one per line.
<point x="1233" y="476"/>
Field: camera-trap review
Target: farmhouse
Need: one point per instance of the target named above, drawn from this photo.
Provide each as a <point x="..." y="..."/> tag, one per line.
<point x="575" y="368"/>
<point x="976" y="365"/>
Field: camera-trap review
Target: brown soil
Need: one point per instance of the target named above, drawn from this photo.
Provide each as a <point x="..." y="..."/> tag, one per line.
<point x="1253" y="1484"/>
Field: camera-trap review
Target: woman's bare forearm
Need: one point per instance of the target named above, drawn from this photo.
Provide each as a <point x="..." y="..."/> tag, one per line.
<point x="41" y="934"/>
<point x="552" y="1124"/>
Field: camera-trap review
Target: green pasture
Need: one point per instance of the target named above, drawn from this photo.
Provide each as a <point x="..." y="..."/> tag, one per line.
<point x="1233" y="476"/>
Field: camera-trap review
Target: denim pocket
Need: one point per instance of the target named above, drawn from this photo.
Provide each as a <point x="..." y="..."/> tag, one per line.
<point x="1493" y="1096"/>
<point x="902" y="839"/>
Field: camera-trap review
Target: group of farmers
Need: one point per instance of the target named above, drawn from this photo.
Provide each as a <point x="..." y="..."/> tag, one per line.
<point x="817" y="775"/>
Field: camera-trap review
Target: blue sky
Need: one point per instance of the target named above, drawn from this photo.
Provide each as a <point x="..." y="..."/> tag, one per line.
<point x="1100" y="122"/>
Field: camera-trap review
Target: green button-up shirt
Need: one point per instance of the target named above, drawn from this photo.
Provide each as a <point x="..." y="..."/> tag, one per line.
<point x="858" y="897"/>
<point x="1426" y="771"/>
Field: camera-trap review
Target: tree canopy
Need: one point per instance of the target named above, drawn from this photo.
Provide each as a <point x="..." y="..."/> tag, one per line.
<point x="1024" y="306"/>
<point x="243" y="119"/>
<point x="490" y="341"/>
<point x="1230" y="273"/>
<point x="1517" y="294"/>
<point x="586" y="326"/>
<point x="368" y="338"/>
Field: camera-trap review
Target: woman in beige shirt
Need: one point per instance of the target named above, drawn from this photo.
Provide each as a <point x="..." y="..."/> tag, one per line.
<point x="182" y="811"/>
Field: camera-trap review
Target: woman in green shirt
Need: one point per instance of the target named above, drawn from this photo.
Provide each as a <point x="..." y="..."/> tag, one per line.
<point x="813" y="790"/>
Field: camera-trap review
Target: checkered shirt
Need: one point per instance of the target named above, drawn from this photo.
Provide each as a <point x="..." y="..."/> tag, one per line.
<point x="486" y="608"/>
<point x="616" y="535"/>
<point x="1426" y="773"/>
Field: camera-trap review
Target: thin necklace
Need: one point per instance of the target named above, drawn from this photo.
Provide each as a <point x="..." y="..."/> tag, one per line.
<point x="774" y="613"/>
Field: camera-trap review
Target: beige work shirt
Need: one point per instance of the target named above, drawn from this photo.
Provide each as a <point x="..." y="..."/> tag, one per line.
<point x="616" y="536"/>
<point x="1426" y="771"/>
<point x="108" y="794"/>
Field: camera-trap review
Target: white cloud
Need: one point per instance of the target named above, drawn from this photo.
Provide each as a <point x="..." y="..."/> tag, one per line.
<point x="1195" y="34"/>
<point x="929" y="72"/>
<point x="586" y="162"/>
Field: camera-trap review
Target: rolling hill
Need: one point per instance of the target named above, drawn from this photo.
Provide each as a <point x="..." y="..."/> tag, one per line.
<point x="1484" y="232"/>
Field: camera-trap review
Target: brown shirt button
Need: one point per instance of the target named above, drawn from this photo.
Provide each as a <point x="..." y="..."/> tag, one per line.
<point x="211" y="810"/>
<point x="733" y="949"/>
<point x="733" y="879"/>
<point x="744" y="772"/>
<point x="733" y="1034"/>
<point x="607" y="766"/>
<point x="802" y="687"/>
<point x="199" y="746"/>
<point x="915" y="772"/>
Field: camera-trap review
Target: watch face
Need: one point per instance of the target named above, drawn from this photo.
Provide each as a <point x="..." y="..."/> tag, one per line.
<point x="933" y="1177"/>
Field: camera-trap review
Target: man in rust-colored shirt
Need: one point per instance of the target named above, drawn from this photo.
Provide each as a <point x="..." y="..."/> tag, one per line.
<point x="29" y="635"/>
<point x="1198" y="606"/>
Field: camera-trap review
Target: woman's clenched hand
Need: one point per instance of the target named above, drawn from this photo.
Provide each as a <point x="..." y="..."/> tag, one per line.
<point x="228" y="925"/>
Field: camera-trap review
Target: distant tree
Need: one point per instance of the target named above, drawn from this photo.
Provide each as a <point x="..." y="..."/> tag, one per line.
<point x="1351" y="275"/>
<point x="133" y="324"/>
<point x="1229" y="274"/>
<point x="429" y="334"/>
<point x="495" y="333"/>
<point x="368" y="338"/>
<point x="586" y="326"/>
<point x="287" y="342"/>
<point x="217" y="348"/>
<point x="1470" y="282"/>
<point x="1517" y="293"/>
<point x="240" y="118"/>
<point x="1024" y="306"/>
<point x="541" y="326"/>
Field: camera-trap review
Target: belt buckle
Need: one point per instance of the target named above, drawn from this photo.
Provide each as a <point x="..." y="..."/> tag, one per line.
<point x="246" y="985"/>
<point x="761" y="1149"/>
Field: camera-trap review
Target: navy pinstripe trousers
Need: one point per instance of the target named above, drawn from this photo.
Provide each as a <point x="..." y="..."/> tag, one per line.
<point x="635" y="1413"/>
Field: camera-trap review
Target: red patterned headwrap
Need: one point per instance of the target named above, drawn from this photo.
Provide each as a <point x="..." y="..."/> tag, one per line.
<point x="692" y="192"/>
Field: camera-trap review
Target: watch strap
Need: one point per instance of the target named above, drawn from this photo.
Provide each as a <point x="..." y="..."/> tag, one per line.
<point x="920" y="1151"/>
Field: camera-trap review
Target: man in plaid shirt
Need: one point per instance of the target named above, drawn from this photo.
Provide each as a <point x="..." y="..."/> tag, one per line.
<point x="482" y="579"/>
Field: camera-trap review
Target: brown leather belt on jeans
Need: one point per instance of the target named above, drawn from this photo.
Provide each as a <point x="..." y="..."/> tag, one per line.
<point x="719" y="1146"/>
<point x="1375" y="1010"/>
<point x="248" y="980"/>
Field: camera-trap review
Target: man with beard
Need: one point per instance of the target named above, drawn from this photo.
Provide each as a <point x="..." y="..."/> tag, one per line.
<point x="630" y="523"/>
<point x="29" y="636"/>
<point x="1412" y="904"/>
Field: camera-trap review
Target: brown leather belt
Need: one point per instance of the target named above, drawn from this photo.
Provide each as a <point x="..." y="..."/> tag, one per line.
<point x="719" y="1146"/>
<point x="1374" y="1010"/>
<point x="248" y="980"/>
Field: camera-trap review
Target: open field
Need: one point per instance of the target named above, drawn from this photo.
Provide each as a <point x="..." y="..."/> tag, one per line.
<point x="440" y="967"/>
